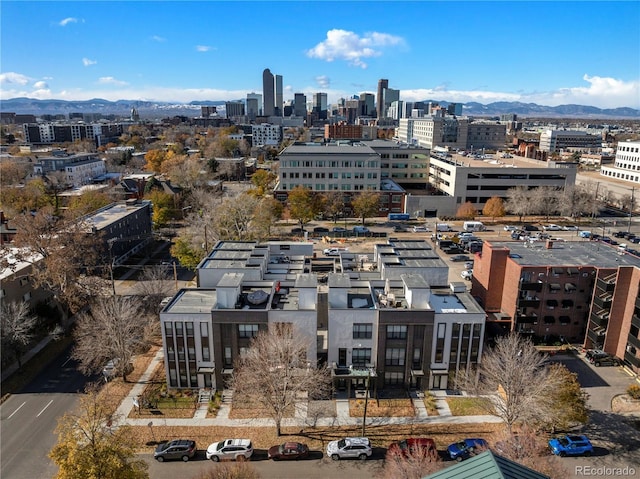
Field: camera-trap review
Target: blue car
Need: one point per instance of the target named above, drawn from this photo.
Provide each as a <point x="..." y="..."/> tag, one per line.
<point x="463" y="449"/>
<point x="574" y="445"/>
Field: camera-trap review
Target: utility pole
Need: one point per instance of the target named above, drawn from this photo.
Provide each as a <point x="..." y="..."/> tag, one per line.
<point x="366" y="402"/>
<point x="631" y="209"/>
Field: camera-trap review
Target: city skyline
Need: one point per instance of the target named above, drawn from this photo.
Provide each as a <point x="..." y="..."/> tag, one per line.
<point x="549" y="53"/>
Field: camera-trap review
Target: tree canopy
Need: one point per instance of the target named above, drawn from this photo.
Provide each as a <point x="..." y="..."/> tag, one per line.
<point x="366" y="205"/>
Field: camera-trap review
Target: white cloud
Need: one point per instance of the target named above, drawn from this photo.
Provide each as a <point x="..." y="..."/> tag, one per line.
<point x="351" y="47"/>
<point x="111" y="81"/>
<point x="202" y="48"/>
<point x="67" y="21"/>
<point x="13" y="78"/>
<point x="323" y="81"/>
<point x="41" y="85"/>
<point x="86" y="62"/>
<point x="159" y="39"/>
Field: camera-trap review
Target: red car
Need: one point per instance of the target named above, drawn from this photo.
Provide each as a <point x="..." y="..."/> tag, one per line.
<point x="412" y="446"/>
<point x="288" y="450"/>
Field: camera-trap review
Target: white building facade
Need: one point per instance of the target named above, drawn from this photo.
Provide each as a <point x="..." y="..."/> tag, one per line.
<point x="626" y="165"/>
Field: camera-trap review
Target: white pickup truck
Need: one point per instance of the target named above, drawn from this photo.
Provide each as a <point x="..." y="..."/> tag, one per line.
<point x="335" y="251"/>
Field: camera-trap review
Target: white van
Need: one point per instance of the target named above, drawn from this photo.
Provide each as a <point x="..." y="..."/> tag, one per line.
<point x="443" y="227"/>
<point x="473" y="226"/>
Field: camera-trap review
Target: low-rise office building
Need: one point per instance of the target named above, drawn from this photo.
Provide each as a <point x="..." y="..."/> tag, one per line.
<point x="398" y="326"/>
<point x="626" y="165"/>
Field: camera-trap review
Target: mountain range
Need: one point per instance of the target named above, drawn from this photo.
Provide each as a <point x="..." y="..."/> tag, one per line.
<point x="156" y="109"/>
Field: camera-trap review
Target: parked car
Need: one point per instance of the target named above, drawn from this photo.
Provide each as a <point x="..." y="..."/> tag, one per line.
<point x="570" y="228"/>
<point x="420" y="229"/>
<point x="510" y="228"/>
<point x="593" y="352"/>
<point x="298" y="230"/>
<point x="620" y="234"/>
<point x="183" y="449"/>
<point x="469" y="264"/>
<point x="455" y="249"/>
<point x="467" y="274"/>
<point x="230" y="450"/>
<point x="467" y="447"/>
<point x="571" y="445"/>
<point x="460" y="257"/>
<point x="320" y="229"/>
<point x="349" y="447"/>
<point x="530" y="228"/>
<point x="413" y="446"/>
<point x="603" y="359"/>
<point x="288" y="451"/>
<point x="339" y="229"/>
<point x="360" y="229"/>
<point x="551" y="227"/>
<point x="334" y="251"/>
<point x="584" y="234"/>
<point x="399" y="228"/>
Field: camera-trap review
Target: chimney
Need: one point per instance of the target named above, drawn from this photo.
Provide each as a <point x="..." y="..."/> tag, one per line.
<point x="549" y="244"/>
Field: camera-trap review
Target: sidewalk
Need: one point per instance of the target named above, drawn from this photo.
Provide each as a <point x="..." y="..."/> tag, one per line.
<point x="300" y="418"/>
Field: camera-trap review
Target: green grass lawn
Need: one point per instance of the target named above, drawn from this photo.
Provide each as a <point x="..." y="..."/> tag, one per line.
<point x="470" y="406"/>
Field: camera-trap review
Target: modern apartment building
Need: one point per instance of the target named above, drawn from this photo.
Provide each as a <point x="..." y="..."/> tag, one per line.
<point x="558" y="141"/>
<point x="266" y="134"/>
<point x="455" y="133"/>
<point x="399" y="323"/>
<point x="79" y="169"/>
<point x="407" y="165"/>
<point x="123" y="228"/>
<point x="626" y="165"/>
<point x="61" y="132"/>
<point x="582" y="291"/>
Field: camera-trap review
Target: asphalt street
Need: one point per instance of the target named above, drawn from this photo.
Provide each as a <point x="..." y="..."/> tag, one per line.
<point x="28" y="420"/>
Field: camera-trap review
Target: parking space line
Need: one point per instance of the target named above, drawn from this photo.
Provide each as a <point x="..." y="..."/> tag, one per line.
<point x="43" y="409"/>
<point x="19" y="407"/>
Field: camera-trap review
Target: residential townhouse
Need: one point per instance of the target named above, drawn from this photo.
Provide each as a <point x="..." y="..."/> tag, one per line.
<point x="406" y="329"/>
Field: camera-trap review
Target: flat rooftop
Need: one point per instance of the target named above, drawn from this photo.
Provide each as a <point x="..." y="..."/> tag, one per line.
<point x="189" y="301"/>
<point x="568" y="253"/>
<point x="115" y="213"/>
<point x="497" y="162"/>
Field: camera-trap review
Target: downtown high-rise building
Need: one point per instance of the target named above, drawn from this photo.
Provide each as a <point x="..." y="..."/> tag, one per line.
<point x="320" y="105"/>
<point x="268" y="91"/>
<point x="383" y="84"/>
<point x="254" y="105"/>
<point x="278" y="96"/>
<point x="300" y="105"/>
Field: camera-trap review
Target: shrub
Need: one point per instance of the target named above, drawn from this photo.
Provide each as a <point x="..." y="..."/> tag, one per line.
<point x="634" y="391"/>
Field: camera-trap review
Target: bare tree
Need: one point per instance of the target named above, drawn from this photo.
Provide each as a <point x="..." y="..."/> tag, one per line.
<point x="530" y="449"/>
<point x="576" y="200"/>
<point x="546" y="200"/>
<point x="518" y="201"/>
<point x="275" y="370"/>
<point x="153" y="285"/>
<point x="413" y="464"/>
<point x="513" y="373"/>
<point x="116" y="328"/>
<point x="17" y="328"/>
<point x="334" y="204"/>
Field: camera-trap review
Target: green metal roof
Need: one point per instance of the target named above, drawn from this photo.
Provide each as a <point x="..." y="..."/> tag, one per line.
<point x="487" y="466"/>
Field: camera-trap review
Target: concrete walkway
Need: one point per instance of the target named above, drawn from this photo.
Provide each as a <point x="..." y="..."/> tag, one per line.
<point x="300" y="419"/>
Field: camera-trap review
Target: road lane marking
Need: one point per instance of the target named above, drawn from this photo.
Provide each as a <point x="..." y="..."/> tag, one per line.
<point x="48" y="404"/>
<point x="17" y="409"/>
<point x="65" y="363"/>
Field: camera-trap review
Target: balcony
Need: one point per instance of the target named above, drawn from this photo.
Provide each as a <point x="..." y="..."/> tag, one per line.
<point x="537" y="287"/>
<point x="529" y="302"/>
<point x="607" y="284"/>
<point x="603" y="301"/>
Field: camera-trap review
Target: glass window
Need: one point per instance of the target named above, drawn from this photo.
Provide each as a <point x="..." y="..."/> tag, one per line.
<point x="204" y="330"/>
<point x="395" y="357"/>
<point x="248" y="330"/>
<point x="396" y="332"/>
<point x="360" y="356"/>
<point x="362" y="331"/>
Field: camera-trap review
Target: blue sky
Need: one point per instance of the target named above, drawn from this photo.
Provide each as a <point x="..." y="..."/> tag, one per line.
<point x="549" y="53"/>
